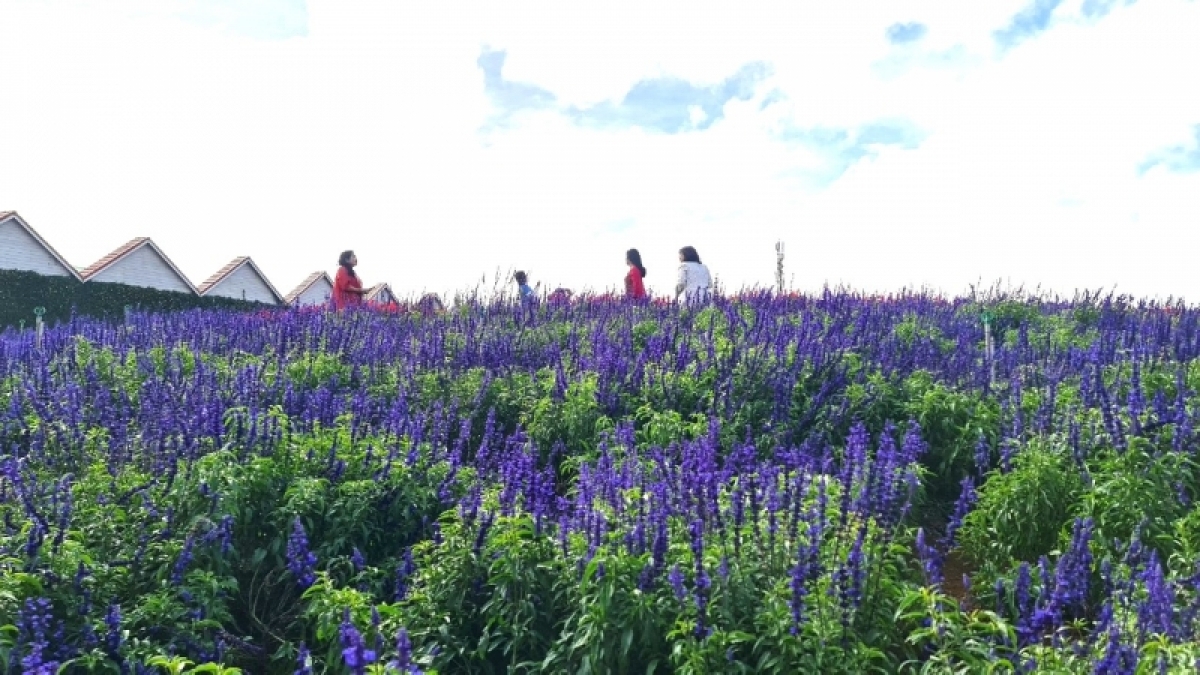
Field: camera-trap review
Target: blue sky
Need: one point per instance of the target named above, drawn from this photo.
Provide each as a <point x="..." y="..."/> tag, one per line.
<point x="261" y="19"/>
<point x="925" y="142"/>
<point x="1182" y="158"/>
<point x="1031" y="20"/>
<point x="904" y="33"/>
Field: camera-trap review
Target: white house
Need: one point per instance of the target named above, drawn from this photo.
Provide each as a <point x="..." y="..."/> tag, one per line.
<point x="314" y="290"/>
<point x="139" y="263"/>
<point x="380" y="293"/>
<point x="241" y="280"/>
<point x="21" y="248"/>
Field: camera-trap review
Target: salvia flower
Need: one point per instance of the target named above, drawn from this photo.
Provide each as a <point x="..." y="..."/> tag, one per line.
<point x="302" y="562"/>
<point x="675" y="576"/>
<point x="403" y="663"/>
<point x="304" y="661"/>
<point x="354" y="650"/>
<point x="113" y="638"/>
<point x="930" y="559"/>
<point x="33" y="624"/>
<point x="182" y="562"/>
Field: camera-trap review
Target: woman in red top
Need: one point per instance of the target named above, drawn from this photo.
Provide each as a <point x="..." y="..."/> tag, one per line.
<point x="634" y="289"/>
<point x="347" y="287"/>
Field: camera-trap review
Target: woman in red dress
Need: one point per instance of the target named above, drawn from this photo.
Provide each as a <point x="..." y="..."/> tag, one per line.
<point x="347" y="287"/>
<point x="634" y="288"/>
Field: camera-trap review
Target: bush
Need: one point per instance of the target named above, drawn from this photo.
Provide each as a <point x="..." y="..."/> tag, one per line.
<point x="21" y="291"/>
<point x="1138" y="490"/>
<point x="1020" y="514"/>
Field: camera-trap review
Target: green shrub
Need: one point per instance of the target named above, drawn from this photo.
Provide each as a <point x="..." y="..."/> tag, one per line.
<point x="1020" y="514"/>
<point x="951" y="423"/>
<point x="1137" y="488"/>
<point x="21" y="292"/>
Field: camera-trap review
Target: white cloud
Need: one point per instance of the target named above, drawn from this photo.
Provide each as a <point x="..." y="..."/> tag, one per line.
<point x="366" y="134"/>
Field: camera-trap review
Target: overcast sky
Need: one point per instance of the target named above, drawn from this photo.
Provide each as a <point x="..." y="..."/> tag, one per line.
<point x="888" y="144"/>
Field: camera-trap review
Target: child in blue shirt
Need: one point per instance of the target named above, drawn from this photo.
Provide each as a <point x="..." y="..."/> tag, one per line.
<point x="526" y="293"/>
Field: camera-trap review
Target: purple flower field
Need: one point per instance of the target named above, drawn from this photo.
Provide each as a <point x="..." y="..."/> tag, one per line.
<point x="805" y="484"/>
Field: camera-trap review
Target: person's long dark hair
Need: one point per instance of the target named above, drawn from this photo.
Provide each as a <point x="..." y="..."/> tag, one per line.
<point x="344" y="261"/>
<point x="689" y="254"/>
<point x="634" y="257"/>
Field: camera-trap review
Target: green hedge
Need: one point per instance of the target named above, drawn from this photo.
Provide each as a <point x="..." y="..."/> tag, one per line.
<point x="21" y="291"/>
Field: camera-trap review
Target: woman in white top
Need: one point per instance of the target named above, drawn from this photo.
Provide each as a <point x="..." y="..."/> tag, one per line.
<point x="694" y="282"/>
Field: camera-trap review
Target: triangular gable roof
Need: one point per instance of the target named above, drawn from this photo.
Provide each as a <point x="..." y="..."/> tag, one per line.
<point x="220" y="274"/>
<point x="12" y="215"/>
<point x="123" y="251"/>
<point x="380" y="293"/>
<point x="311" y="279"/>
<point x="232" y="267"/>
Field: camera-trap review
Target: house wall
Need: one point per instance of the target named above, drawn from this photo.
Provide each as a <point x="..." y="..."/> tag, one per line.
<point x="244" y="284"/>
<point x="20" y="251"/>
<point x="143" y="268"/>
<point x="317" y="294"/>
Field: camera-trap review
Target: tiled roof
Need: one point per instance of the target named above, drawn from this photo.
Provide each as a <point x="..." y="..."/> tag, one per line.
<point x="311" y="279"/>
<point x="129" y="247"/>
<point x="221" y="274"/>
<point x="378" y="290"/>
<point x="230" y="269"/>
<point x="265" y="280"/>
<point x="5" y="215"/>
<point x="103" y="263"/>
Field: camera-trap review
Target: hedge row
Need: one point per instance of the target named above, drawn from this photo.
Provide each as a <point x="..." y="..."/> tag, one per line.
<point x="21" y="292"/>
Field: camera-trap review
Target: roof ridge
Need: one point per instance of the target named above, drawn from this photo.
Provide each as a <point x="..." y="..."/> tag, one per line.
<point x="304" y="286"/>
<point x="71" y="270"/>
<point x="264" y="279"/>
<point x="377" y="289"/>
<point x="112" y="257"/>
<point x="220" y="274"/>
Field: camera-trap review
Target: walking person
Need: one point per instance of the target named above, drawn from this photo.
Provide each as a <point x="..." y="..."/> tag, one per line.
<point x="635" y="289"/>
<point x="694" y="282"/>
<point x="348" y="290"/>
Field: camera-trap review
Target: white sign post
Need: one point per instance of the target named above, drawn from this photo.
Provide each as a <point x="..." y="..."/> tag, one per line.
<point x="989" y="348"/>
<point x="779" y="266"/>
<point x="41" y="326"/>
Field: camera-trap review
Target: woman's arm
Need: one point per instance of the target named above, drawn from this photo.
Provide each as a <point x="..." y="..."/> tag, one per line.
<point x="355" y="285"/>
<point x="681" y="281"/>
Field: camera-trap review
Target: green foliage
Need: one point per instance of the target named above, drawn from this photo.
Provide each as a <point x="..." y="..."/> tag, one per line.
<point x="1186" y="543"/>
<point x="504" y="596"/>
<point x="950" y="640"/>
<point x="576" y="422"/>
<point x="912" y="331"/>
<point x="509" y="596"/>
<point x="642" y="332"/>
<point x="951" y="423"/>
<point x="21" y="291"/>
<point x="489" y="609"/>
<point x="131" y="550"/>
<point x="318" y="368"/>
<point x="657" y="428"/>
<point x="1020" y="514"/>
<point x="1063" y="333"/>
<point x="1010" y="314"/>
<point x="1139" y="489"/>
